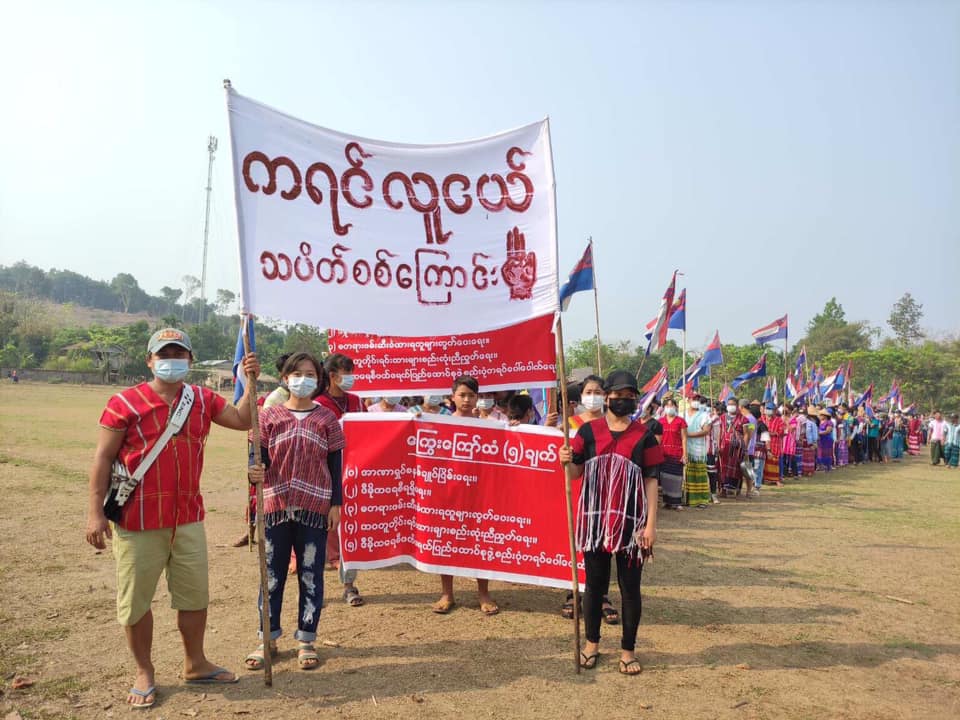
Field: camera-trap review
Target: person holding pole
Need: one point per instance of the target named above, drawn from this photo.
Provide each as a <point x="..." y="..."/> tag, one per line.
<point x="159" y="528"/>
<point x="616" y="514"/>
<point x="301" y="447"/>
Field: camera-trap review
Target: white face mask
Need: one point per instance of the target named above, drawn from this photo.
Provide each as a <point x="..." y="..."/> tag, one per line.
<point x="732" y="409"/>
<point x="433" y="400"/>
<point x="346" y="382"/>
<point x="392" y="400"/>
<point x="695" y="405"/>
<point x="302" y="387"/>
<point x="671" y="411"/>
<point x="485" y="403"/>
<point x="171" y="370"/>
<point x="592" y="402"/>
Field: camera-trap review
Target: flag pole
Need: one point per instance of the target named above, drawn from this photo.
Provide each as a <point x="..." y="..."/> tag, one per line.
<point x="251" y="392"/>
<point x="596" y="310"/>
<point x="785" y="367"/>
<point x="568" y="492"/>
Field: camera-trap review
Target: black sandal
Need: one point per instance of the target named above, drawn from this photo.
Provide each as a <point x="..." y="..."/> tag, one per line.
<point x="610" y="614"/>
<point x="566" y="610"/>
<point x="625" y="666"/>
<point x="589" y="662"/>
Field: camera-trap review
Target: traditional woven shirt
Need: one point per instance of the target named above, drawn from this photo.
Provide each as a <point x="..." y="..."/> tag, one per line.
<point x="297" y="484"/>
<point x="169" y="494"/>
<point x="613" y="503"/>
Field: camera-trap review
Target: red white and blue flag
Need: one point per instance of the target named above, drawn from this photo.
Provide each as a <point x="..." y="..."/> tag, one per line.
<point x="801" y="359"/>
<point x="725" y="393"/>
<point x="678" y="316"/>
<point x="655" y="388"/>
<point x="864" y="398"/>
<point x="658" y="334"/>
<point x="759" y="369"/>
<point x="713" y="355"/>
<point x="777" y="330"/>
<point x="581" y="278"/>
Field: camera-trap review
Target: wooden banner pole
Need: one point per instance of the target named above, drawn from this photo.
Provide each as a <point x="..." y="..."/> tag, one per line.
<point x="251" y="391"/>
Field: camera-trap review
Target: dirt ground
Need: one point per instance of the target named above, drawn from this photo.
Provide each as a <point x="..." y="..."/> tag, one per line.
<point x="778" y="608"/>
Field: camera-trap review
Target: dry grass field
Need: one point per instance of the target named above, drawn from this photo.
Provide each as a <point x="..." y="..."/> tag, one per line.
<point x="780" y="608"/>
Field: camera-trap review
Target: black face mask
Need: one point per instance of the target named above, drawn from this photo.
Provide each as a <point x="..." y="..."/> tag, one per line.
<point x="622" y="406"/>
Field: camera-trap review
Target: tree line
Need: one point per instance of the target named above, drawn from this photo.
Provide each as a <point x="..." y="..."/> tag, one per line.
<point x="927" y="369"/>
<point x="31" y="336"/>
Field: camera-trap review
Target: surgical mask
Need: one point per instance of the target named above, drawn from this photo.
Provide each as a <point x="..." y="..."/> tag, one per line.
<point x="695" y="405"/>
<point x="622" y="407"/>
<point x="302" y="387"/>
<point x="433" y="400"/>
<point x="375" y="399"/>
<point x="392" y="400"/>
<point x="171" y="370"/>
<point x="485" y="403"/>
<point x="671" y="411"/>
<point x="732" y="409"/>
<point x="592" y="402"/>
<point x="346" y="382"/>
<point x="769" y="413"/>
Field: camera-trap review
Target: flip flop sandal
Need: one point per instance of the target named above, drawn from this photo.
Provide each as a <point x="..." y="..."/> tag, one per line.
<point x="142" y="694"/>
<point x="211" y="678"/>
<point x="307" y="657"/>
<point x="352" y="597"/>
<point x="625" y="666"/>
<point x="589" y="662"/>
<point x="490" y="609"/>
<point x="443" y="608"/>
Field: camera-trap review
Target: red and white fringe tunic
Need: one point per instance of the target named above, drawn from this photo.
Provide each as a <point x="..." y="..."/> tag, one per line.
<point x="613" y="504"/>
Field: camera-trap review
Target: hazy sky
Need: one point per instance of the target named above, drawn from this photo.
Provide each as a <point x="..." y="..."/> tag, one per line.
<point x="778" y="153"/>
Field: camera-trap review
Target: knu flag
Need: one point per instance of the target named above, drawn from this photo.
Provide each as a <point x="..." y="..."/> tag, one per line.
<point x="678" y="316"/>
<point x="581" y="278"/>
<point x="713" y="355"/>
<point x="759" y="369"/>
<point x="777" y="330"/>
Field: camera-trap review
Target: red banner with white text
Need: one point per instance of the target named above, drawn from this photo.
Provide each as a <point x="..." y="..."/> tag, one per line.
<point x="517" y="356"/>
<point x="455" y="495"/>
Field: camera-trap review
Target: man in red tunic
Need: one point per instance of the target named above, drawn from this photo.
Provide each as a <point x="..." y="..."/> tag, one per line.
<point x="161" y="524"/>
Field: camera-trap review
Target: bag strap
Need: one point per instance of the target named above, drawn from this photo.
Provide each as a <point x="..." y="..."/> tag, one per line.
<point x="177" y="418"/>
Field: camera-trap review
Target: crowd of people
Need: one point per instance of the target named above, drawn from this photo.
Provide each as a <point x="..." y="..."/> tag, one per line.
<point x="633" y="457"/>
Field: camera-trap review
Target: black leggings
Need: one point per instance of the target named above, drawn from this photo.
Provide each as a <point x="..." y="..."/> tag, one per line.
<point x="597" y="571"/>
<point x="875" y="455"/>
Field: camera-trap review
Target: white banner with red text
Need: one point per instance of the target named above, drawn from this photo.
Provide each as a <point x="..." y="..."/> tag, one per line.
<point x="339" y="231"/>
<point x="455" y="495"/>
<point x="517" y="356"/>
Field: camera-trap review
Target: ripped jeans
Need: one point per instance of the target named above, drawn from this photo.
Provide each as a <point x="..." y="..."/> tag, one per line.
<point x="310" y="546"/>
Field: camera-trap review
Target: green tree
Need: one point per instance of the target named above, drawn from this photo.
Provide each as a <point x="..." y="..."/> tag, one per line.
<point x="830" y="331"/>
<point x="125" y="286"/>
<point x="905" y="319"/>
<point x="306" y="338"/>
<point x="170" y="297"/>
<point x="225" y="298"/>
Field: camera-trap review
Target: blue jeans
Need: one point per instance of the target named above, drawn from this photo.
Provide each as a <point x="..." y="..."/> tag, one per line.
<point x="310" y="546"/>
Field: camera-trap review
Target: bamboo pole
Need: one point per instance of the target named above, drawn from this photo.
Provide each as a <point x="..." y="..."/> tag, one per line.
<point x="596" y="304"/>
<point x="568" y="492"/>
<point x="251" y="391"/>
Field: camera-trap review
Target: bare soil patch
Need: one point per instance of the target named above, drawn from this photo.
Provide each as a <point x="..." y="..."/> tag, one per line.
<point x="778" y="608"/>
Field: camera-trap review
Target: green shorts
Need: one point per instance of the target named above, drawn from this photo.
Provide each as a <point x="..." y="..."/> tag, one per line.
<point x="143" y="554"/>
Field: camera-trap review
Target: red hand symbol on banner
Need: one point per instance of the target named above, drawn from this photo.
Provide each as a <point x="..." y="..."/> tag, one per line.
<point x="520" y="269"/>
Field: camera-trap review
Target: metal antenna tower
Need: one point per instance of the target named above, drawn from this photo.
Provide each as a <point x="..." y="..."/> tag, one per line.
<point x="211" y="149"/>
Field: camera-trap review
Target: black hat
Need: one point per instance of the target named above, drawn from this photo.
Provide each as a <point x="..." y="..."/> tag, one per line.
<point x="620" y="380"/>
